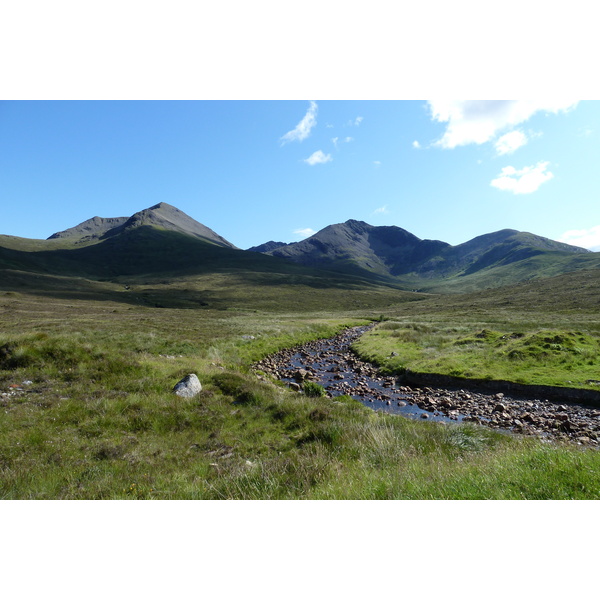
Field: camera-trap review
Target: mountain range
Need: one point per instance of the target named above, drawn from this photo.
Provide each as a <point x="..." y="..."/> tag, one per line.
<point x="164" y="240"/>
<point x="391" y="251"/>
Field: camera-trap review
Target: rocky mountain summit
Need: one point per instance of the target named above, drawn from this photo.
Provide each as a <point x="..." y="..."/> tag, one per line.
<point x="91" y="229"/>
<point x="267" y="247"/>
<point x="161" y="215"/>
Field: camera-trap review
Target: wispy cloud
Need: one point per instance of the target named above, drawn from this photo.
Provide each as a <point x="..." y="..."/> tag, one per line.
<point x="307" y="232"/>
<point x="416" y="144"/>
<point x="478" y="121"/>
<point x="510" y="142"/>
<point x="522" y="181"/>
<point x="346" y="140"/>
<point x="383" y="210"/>
<point x="585" y="238"/>
<point x="377" y="163"/>
<point x="302" y="130"/>
<point x="355" y="122"/>
<point x="318" y="158"/>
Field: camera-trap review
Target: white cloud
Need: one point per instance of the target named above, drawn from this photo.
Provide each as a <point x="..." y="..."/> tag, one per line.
<point x="523" y="181"/>
<point x="383" y="210"/>
<point x="585" y="238"/>
<point x="304" y="232"/>
<point x="318" y="158"/>
<point x="302" y="130"/>
<point x="416" y="144"/>
<point x="478" y="121"/>
<point x="346" y="140"/>
<point x="377" y="163"/>
<point x="509" y="142"/>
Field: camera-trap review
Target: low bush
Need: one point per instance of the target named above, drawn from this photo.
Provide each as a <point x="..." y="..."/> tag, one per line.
<point x="313" y="390"/>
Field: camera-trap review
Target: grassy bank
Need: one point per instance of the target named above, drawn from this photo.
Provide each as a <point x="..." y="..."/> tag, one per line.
<point x="545" y="332"/>
<point x="527" y="355"/>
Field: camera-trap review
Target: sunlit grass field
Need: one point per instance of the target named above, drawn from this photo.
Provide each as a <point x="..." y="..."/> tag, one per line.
<point x="99" y="420"/>
<point x="527" y="355"/>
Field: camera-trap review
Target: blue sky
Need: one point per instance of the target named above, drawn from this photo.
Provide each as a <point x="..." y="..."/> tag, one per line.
<point x="278" y="170"/>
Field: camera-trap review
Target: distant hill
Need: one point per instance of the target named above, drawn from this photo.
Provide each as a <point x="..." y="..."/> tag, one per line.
<point x="160" y="215"/>
<point x="394" y="253"/>
<point x="357" y="246"/>
<point x="267" y="247"/>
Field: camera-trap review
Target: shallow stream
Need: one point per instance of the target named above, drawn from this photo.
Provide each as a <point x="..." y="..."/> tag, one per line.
<point x="331" y="364"/>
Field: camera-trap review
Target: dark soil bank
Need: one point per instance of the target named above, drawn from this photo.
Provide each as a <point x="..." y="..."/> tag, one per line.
<point x="332" y="364"/>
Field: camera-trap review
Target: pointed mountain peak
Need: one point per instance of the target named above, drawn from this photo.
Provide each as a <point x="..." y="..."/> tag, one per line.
<point x="161" y="215"/>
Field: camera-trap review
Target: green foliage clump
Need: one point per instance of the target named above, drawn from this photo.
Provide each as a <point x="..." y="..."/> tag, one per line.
<point x="242" y="388"/>
<point x="313" y="390"/>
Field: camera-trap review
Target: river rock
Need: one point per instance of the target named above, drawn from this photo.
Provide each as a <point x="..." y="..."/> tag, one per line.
<point x="300" y="374"/>
<point x="188" y="387"/>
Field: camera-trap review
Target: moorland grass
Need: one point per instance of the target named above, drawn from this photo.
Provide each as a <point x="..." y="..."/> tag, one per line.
<point x="99" y="420"/>
<point x="544" y="332"/>
<point x="524" y="354"/>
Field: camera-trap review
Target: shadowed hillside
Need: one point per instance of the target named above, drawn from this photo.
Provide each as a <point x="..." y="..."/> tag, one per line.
<point x="163" y="241"/>
<point x="393" y="254"/>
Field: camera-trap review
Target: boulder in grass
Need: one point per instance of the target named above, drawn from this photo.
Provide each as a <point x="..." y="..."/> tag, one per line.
<point x="188" y="387"/>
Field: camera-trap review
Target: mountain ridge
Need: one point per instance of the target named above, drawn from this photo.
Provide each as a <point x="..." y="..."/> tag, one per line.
<point x="163" y="239"/>
<point x="394" y="252"/>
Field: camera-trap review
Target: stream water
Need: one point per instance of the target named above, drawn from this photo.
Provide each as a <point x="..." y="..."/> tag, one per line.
<point x="331" y="364"/>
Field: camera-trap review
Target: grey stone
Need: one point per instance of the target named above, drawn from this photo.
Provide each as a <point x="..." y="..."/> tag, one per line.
<point x="188" y="387"/>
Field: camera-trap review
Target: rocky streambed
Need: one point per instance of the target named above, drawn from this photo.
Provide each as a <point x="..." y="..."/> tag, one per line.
<point x="332" y="364"/>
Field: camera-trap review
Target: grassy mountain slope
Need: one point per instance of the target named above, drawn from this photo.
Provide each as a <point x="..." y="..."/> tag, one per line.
<point x="538" y="265"/>
<point x="149" y="266"/>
